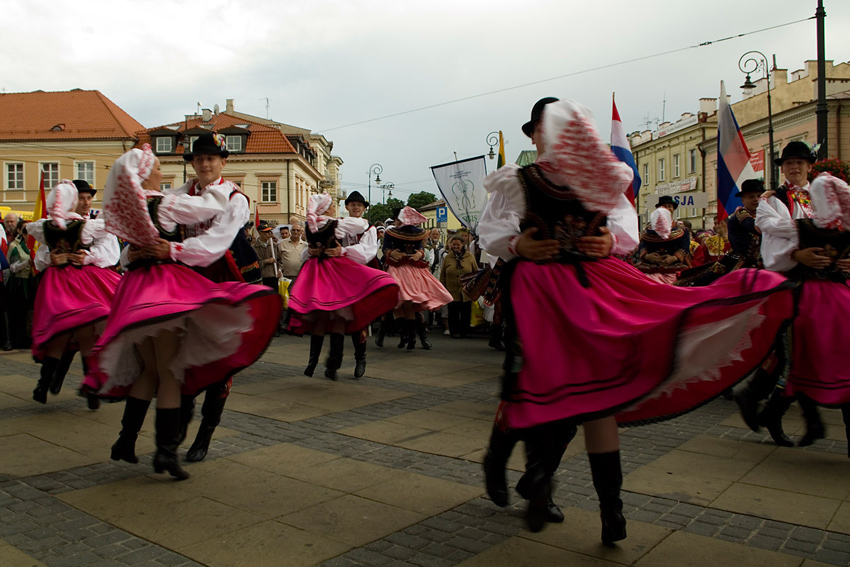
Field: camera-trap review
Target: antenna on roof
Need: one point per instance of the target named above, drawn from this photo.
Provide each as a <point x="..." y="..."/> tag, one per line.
<point x="198" y="108"/>
<point x="267" y="107"/>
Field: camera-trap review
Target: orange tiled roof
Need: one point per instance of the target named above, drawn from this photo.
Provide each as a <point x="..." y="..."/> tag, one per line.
<point x="65" y="115"/>
<point x="262" y="140"/>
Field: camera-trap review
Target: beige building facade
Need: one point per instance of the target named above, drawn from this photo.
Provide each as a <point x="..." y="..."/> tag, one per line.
<point x="66" y="135"/>
<point x="680" y="158"/>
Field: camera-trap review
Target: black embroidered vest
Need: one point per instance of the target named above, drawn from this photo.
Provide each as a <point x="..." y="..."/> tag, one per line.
<point x="175" y="235"/>
<point x="323" y="238"/>
<point x="835" y="244"/>
<point x="65" y="241"/>
<point x="558" y="214"/>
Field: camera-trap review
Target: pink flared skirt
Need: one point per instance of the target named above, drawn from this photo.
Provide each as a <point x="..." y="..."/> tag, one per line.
<point x="630" y="346"/>
<point x="221" y="327"/>
<point x="343" y="288"/>
<point x="69" y="298"/>
<point x="419" y="287"/>
<point x="819" y="366"/>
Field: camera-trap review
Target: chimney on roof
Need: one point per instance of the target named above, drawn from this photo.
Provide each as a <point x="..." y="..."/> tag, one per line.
<point x="229" y="106"/>
<point x="708" y="105"/>
<point x="207" y="114"/>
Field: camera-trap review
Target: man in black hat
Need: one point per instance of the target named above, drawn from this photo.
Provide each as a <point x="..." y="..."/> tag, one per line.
<point x="205" y="250"/>
<point x="791" y="201"/>
<point x="363" y="249"/>
<point x="265" y="248"/>
<point x="85" y="195"/>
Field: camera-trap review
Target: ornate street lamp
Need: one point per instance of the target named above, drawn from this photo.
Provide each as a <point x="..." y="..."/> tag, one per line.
<point x="750" y="62"/>
<point x="377" y="169"/>
<point x="492" y="140"/>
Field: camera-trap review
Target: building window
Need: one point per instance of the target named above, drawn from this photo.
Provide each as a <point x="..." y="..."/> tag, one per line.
<point x="676" y="166"/>
<point x="85" y="170"/>
<point x="269" y="194"/>
<point x="51" y="174"/>
<point x="164" y="145"/>
<point x="14" y="177"/>
<point x="233" y="143"/>
<point x="645" y="173"/>
<point x="693" y="164"/>
<point x="661" y="169"/>
<point x="192" y="143"/>
<point x="164" y="186"/>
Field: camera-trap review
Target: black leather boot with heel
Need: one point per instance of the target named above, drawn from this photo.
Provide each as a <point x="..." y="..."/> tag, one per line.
<point x="607" y="480"/>
<point x="167" y="434"/>
<point x="134" y="417"/>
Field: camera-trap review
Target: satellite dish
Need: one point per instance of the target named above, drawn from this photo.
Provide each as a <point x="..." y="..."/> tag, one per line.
<point x="215" y="110"/>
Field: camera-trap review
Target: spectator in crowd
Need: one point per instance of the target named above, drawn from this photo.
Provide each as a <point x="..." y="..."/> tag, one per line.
<point x="268" y="259"/>
<point x="20" y="288"/>
<point x="291" y="250"/>
<point x="458" y="262"/>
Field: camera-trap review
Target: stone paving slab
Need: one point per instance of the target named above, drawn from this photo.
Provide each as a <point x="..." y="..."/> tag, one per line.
<point x="386" y="471"/>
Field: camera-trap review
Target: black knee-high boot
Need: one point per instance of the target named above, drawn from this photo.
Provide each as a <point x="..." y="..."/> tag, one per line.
<point x="402" y="326"/>
<point x="748" y="395"/>
<point x="167" y="433"/>
<point x="422" y="331"/>
<point x="382" y="332"/>
<point x="335" y="357"/>
<point x="316" y="342"/>
<point x="211" y="410"/>
<point x="558" y="436"/>
<point x="359" y="341"/>
<point x="814" y="426"/>
<point x="134" y="417"/>
<point x="538" y="486"/>
<point x="61" y="371"/>
<point x="410" y="327"/>
<point x="607" y="480"/>
<point x="771" y="416"/>
<point x="495" y="461"/>
<point x="48" y="370"/>
<point x="187" y="412"/>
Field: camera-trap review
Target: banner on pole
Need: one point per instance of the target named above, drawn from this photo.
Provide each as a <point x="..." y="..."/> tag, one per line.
<point x="462" y="186"/>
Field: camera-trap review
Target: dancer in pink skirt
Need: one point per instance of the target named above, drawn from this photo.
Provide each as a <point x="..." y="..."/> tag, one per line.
<point x="75" y="294"/>
<point x="333" y="293"/>
<point x="591" y="337"/>
<point x="420" y="291"/>
<point x="166" y="318"/>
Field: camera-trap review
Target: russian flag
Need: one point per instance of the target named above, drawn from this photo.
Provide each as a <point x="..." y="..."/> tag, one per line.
<point x="623" y="152"/>
<point x="733" y="159"/>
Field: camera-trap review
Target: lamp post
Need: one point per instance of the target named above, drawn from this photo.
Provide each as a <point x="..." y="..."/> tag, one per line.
<point x="492" y="140"/>
<point x="389" y="186"/>
<point x="377" y="169"/>
<point x="750" y="62"/>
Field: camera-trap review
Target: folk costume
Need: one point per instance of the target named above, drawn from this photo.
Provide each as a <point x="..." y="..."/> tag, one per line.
<point x="336" y="291"/>
<point x="591" y="338"/>
<point x="363" y="249"/>
<point x="219" y="250"/>
<point x="668" y="242"/>
<point x="809" y="368"/>
<point x="71" y="298"/>
<point x="226" y="325"/>
<point x="404" y="258"/>
<point x="745" y="241"/>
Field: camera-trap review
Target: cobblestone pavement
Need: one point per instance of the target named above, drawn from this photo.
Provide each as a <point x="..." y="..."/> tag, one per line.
<point x="386" y="471"/>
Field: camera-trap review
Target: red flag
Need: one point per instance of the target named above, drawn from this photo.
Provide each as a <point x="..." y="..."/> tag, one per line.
<point x="39" y="212"/>
<point x="257" y="216"/>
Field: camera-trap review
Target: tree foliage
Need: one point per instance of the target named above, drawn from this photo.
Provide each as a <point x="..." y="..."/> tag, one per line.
<point x="379" y="212"/>
<point x="419" y="200"/>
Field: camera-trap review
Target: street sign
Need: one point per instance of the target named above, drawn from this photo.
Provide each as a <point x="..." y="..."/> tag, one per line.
<point x="442" y="214"/>
<point x="695" y="200"/>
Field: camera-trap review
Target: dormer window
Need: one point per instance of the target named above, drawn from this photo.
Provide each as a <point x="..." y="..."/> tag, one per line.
<point x="58" y="128"/>
<point x="165" y="145"/>
<point x="234" y="143"/>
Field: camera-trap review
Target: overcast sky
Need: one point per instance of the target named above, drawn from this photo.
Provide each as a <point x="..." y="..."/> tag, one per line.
<point x="328" y="64"/>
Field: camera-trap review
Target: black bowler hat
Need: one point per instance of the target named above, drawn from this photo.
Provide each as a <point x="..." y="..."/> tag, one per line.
<point x="796" y="150"/>
<point x="667" y="200"/>
<point x="84" y="187"/>
<point x="207" y="145"/>
<point x="536" y="113"/>
<point x="751" y="186"/>
<point x="264" y="227"/>
<point x="356" y="197"/>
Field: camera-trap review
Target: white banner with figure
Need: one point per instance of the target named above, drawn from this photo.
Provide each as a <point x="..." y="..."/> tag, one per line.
<point x="462" y="185"/>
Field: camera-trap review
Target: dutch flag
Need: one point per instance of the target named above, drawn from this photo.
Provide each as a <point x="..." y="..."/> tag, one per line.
<point x="733" y="159"/>
<point x="623" y="152"/>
